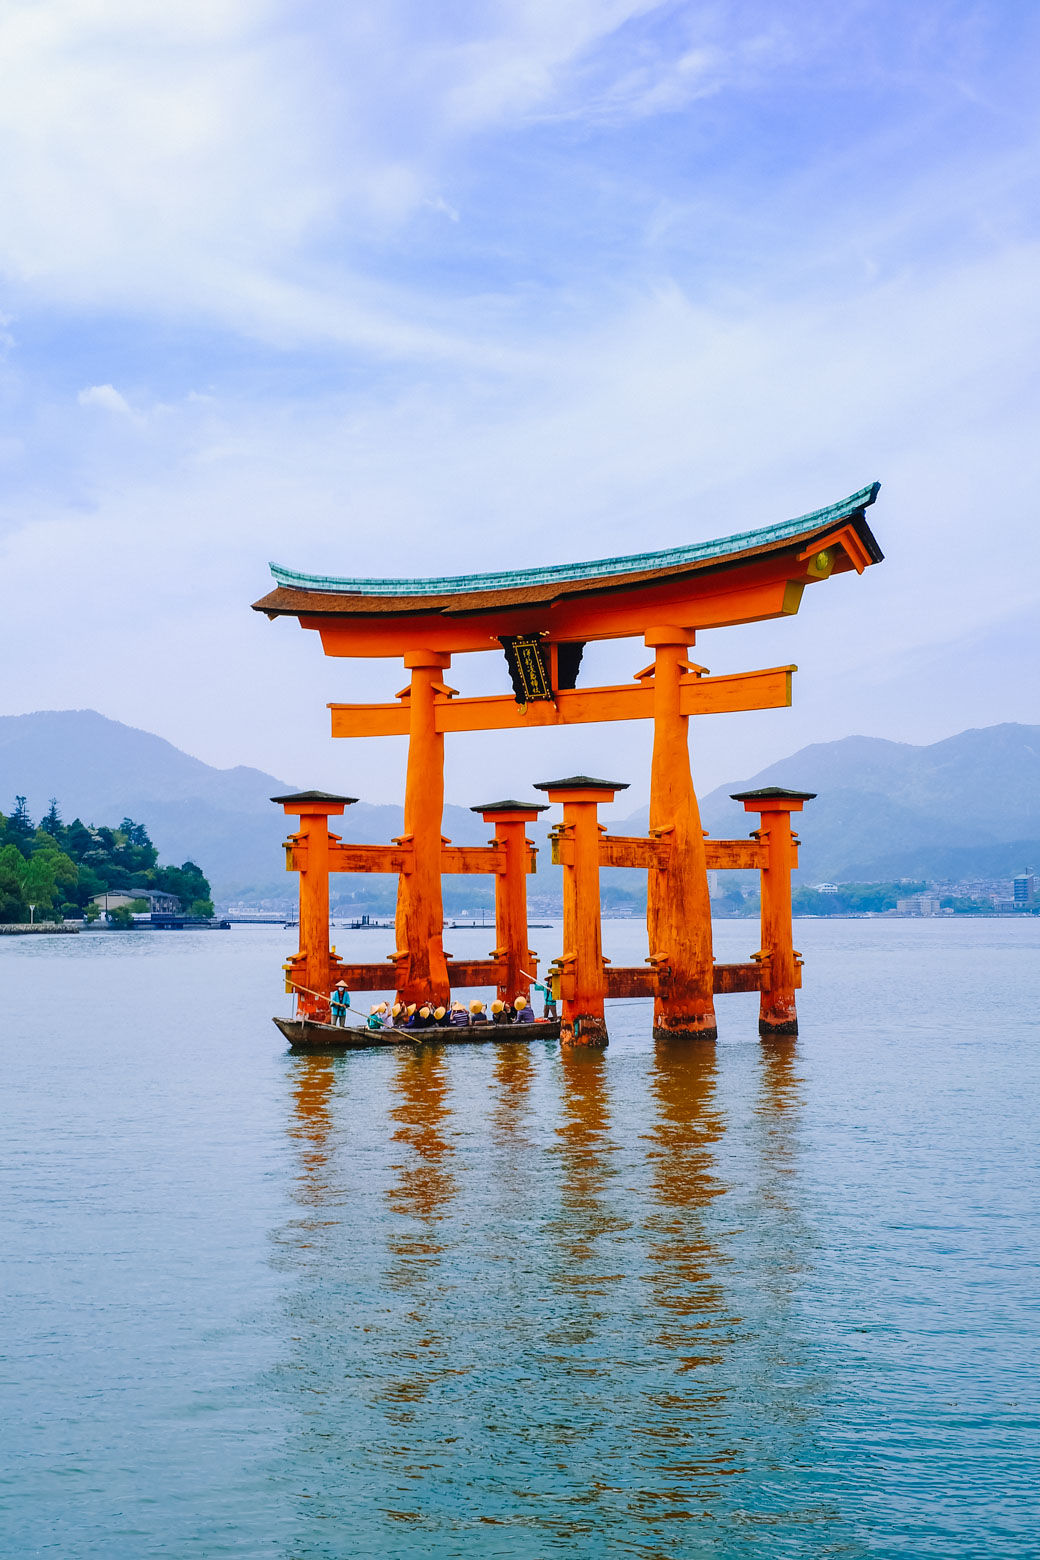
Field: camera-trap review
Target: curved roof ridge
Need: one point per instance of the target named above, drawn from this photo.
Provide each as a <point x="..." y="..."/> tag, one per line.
<point x="598" y="568"/>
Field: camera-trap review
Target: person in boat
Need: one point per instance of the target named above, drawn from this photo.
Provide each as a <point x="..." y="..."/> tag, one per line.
<point x="411" y="1020"/>
<point x="398" y="1014"/>
<point x="477" y="1013"/>
<point x="458" y="1017"/>
<point x="500" y="1014"/>
<point x="523" y="1012"/>
<point x="339" y="1001"/>
<point x="549" y="1008"/>
<point x="375" y="1016"/>
<point x="387" y="1016"/>
<point x="439" y="1015"/>
<point x="426" y="1018"/>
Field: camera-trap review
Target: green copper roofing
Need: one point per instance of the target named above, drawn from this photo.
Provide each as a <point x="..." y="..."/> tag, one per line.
<point x="632" y="563"/>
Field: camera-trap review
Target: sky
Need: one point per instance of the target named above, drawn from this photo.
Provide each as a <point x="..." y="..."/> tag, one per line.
<point x="393" y="288"/>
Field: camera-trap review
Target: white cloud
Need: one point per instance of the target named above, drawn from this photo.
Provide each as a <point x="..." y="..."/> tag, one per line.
<point x="108" y="397"/>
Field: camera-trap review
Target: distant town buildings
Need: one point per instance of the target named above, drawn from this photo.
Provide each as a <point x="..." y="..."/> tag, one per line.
<point x="919" y="904"/>
<point x="826" y="888"/>
<point x="1023" y="890"/>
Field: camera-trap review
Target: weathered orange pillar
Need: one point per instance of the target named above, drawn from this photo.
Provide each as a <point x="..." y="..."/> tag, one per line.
<point x="511" y="934"/>
<point x="678" y="910"/>
<point x="309" y="969"/>
<point x="420" y="910"/>
<point x="777" y="1012"/>
<point x="576" y="847"/>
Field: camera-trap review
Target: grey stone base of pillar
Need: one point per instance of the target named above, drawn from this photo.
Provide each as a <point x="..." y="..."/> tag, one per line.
<point x="778" y="1028"/>
<point x="585" y="1030"/>
<point x="660" y="1033"/>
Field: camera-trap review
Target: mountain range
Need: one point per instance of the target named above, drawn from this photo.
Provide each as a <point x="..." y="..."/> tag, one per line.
<point x="968" y="806"/>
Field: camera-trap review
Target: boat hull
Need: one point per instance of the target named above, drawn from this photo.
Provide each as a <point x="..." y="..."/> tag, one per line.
<point x="307" y="1035"/>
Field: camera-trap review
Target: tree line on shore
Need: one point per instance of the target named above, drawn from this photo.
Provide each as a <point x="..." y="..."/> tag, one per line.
<point x="58" y="867"/>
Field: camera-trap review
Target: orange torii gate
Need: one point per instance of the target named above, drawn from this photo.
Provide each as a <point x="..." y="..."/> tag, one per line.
<point x="542" y="618"/>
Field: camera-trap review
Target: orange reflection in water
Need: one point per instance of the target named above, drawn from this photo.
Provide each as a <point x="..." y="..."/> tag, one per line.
<point x="686" y="1433"/>
<point x="314" y="1079"/>
<point x="514" y="1075"/>
<point x="420" y="1195"/>
<point x="585" y="1261"/>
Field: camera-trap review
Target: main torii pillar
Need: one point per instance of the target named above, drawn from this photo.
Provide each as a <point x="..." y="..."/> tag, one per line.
<point x="678" y="907"/>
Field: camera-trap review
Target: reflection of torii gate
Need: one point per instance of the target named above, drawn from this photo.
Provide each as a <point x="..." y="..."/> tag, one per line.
<point x="545" y="616"/>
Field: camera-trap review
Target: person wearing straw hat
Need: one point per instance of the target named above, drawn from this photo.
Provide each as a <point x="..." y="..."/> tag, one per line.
<point x="499" y="1012"/>
<point x="339" y="1001"/>
<point x="522" y="1011"/>
<point x="439" y="1015"/>
<point x="375" y="1016"/>
<point x="477" y="1015"/>
<point x="458" y="1017"/>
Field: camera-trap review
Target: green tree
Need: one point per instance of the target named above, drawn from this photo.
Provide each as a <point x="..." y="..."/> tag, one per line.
<point x="12" y="906"/>
<point x="39" y="880"/>
<point x="52" y="824"/>
<point x="20" y="825"/>
<point x="122" y="916"/>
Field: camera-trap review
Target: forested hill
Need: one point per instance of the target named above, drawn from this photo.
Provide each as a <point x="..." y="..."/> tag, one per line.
<point x="57" y="868"/>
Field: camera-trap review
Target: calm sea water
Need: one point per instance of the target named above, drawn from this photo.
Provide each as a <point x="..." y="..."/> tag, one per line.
<point x="662" y="1301"/>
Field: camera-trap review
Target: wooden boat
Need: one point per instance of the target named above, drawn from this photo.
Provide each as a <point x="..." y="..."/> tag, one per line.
<point x="306" y="1034"/>
<point x="470" y="1034"/>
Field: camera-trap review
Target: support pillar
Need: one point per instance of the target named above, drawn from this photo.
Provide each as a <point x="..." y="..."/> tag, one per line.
<point x="678" y="908"/>
<point x="576" y="847"/>
<point x="310" y="969"/>
<point x="420" y="909"/>
<point x="777" y="1012"/>
<point x="511" y="933"/>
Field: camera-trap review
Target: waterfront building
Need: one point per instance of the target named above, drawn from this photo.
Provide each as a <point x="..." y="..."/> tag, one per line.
<point x="1024" y="891"/>
<point x="158" y="903"/>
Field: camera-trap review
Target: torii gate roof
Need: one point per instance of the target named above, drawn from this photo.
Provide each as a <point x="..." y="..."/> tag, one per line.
<point x="558" y="599"/>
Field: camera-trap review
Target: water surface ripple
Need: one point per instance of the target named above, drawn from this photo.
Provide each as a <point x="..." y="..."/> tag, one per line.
<point x="662" y="1301"/>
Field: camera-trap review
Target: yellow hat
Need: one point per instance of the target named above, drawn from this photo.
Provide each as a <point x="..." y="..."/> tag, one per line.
<point x="496" y="1007"/>
<point x="438" y="1013"/>
<point x="521" y="1002"/>
<point x="410" y="1009"/>
<point x="424" y="1011"/>
<point x="396" y="1009"/>
<point x="476" y="1007"/>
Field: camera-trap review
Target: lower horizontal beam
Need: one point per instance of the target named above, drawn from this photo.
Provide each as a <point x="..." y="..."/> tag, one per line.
<point x="383" y="977"/>
<point x="630" y="981"/>
<point x="738" y="977"/>
<point x="734" y="855"/>
<point x="634" y="981"/>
